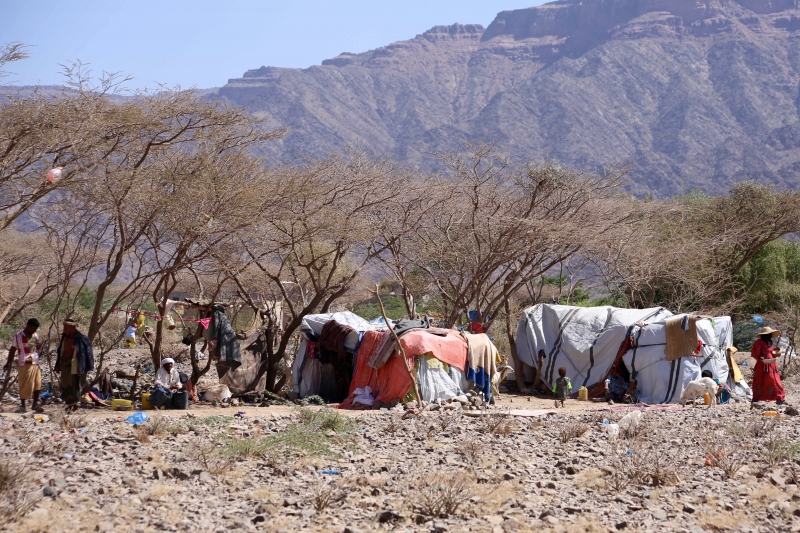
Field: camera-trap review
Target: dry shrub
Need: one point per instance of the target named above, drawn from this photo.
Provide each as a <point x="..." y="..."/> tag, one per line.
<point x="445" y="421"/>
<point x="17" y="491"/>
<point x="499" y="425"/>
<point x="209" y="457"/>
<point x="754" y="428"/>
<point x="156" y="426"/>
<point x="777" y="451"/>
<point x="392" y="425"/>
<point x="570" y="429"/>
<point x="323" y="495"/>
<point x="656" y="467"/>
<point x="620" y="476"/>
<point x="648" y="462"/>
<point x="722" y="454"/>
<point x="471" y="448"/>
<point x="440" y="494"/>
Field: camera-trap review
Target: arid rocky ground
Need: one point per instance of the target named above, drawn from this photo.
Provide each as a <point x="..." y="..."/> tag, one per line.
<point x="284" y="468"/>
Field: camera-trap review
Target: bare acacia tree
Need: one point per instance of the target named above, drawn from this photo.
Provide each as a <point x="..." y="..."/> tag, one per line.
<point x="76" y="132"/>
<point x="212" y="198"/>
<point x="132" y="186"/>
<point x="307" y="250"/>
<point x="688" y="253"/>
<point x="505" y="226"/>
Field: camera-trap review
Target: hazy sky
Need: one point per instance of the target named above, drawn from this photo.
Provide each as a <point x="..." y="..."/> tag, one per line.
<point x="202" y="43"/>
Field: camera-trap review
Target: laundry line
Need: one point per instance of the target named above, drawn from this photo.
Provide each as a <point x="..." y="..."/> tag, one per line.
<point x="204" y="321"/>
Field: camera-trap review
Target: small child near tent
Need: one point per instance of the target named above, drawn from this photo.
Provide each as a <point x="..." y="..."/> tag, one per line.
<point x="562" y="386"/>
<point x="723" y="392"/>
<point x="632" y="395"/>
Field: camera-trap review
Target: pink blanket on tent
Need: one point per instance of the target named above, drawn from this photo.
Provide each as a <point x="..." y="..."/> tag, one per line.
<point x="450" y="348"/>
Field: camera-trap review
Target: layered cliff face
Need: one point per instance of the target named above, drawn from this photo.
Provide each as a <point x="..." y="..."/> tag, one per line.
<point x="691" y="94"/>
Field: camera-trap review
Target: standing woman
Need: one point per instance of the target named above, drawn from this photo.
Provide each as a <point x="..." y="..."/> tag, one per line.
<point x="766" y="378"/>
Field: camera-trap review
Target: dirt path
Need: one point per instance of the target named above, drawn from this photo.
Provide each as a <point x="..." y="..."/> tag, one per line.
<point x="505" y="402"/>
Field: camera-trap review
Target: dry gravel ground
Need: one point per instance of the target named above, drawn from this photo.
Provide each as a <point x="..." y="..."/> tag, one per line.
<point x="275" y="469"/>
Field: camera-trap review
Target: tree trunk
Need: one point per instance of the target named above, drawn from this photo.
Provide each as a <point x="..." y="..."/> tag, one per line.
<point x="155" y="352"/>
<point x="512" y="341"/>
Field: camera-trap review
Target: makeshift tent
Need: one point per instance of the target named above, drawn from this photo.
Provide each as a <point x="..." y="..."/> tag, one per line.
<point x="439" y="357"/>
<point x="307" y="369"/>
<point x="588" y="341"/>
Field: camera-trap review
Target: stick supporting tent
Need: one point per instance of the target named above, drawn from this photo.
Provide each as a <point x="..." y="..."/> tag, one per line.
<point x="399" y="348"/>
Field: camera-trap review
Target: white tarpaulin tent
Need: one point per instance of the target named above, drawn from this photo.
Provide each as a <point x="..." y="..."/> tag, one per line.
<point x="586" y="341"/>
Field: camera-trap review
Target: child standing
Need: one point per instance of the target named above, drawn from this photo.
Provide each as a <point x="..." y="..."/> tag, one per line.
<point x="562" y="387"/>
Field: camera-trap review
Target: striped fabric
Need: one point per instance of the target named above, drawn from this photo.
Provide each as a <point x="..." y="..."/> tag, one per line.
<point x="24" y="348"/>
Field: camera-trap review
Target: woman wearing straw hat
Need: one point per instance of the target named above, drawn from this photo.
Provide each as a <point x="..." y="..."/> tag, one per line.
<point x="766" y="378"/>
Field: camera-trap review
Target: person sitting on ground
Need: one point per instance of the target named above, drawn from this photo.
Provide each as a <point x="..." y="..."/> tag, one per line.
<point x="632" y="395"/>
<point x="26" y="346"/>
<point x="723" y="391"/>
<point x="562" y="387"/>
<point x="168" y="380"/>
<point x="615" y="387"/>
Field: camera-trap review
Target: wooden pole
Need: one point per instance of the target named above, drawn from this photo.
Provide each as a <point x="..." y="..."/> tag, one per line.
<point x="399" y="349"/>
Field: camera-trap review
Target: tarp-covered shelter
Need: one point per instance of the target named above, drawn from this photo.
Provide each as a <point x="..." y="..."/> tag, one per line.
<point x="346" y="359"/>
<point x="588" y="341"/>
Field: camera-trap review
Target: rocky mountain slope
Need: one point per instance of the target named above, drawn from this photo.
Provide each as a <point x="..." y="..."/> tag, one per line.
<point x="693" y="94"/>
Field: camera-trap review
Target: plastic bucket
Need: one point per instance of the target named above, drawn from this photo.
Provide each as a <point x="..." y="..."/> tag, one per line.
<point x="146" y="401"/>
<point x="180" y="400"/>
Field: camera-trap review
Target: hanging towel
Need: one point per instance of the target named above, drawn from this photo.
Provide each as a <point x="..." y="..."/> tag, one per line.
<point x="681" y="333"/>
<point x="483" y="359"/>
<point x="228" y="348"/>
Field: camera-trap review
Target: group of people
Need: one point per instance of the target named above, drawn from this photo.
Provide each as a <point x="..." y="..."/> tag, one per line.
<point x="74" y="360"/>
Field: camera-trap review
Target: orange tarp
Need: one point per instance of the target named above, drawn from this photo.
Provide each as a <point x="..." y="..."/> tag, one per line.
<point x="391" y="381"/>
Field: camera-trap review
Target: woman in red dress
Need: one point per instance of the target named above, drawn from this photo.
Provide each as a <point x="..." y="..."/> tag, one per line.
<point x="766" y="378"/>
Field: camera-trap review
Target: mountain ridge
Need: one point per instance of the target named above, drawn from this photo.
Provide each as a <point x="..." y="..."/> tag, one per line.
<point x="691" y="94"/>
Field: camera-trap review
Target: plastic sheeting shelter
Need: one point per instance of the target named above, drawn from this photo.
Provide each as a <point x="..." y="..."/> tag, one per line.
<point x="311" y="328"/>
<point x="439" y="357"/>
<point x="587" y="342"/>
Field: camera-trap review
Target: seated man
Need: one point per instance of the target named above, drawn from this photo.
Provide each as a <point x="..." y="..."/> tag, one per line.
<point x="167" y="381"/>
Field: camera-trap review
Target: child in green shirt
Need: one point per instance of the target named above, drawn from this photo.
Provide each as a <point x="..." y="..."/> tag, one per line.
<point x="561" y="386"/>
